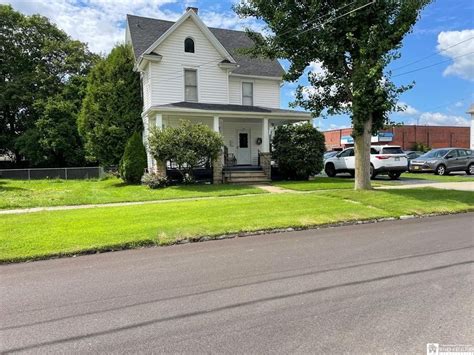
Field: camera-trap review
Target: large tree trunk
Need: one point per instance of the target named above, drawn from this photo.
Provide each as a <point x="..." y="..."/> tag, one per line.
<point x="362" y="157"/>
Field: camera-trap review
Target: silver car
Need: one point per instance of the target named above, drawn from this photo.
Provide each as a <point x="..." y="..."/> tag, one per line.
<point x="444" y="160"/>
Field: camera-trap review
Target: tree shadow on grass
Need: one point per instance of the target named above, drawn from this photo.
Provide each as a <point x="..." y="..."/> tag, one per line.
<point x="434" y="197"/>
<point x="4" y="187"/>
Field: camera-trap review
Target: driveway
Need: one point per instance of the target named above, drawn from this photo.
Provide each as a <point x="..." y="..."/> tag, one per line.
<point x="385" y="287"/>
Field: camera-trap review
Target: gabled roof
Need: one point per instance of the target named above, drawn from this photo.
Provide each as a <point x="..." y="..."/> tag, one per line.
<point x="144" y="32"/>
<point x="190" y="14"/>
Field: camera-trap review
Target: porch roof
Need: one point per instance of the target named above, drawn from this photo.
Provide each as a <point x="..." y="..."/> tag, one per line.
<point x="226" y="109"/>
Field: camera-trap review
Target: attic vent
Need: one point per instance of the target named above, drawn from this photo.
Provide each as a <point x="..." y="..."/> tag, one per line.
<point x="195" y="9"/>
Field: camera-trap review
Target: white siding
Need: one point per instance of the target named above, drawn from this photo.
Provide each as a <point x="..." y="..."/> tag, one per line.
<point x="266" y="92"/>
<point x="167" y="76"/>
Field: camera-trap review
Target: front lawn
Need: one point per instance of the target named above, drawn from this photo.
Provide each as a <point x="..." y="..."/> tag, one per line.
<point x="33" y="193"/>
<point x="326" y="183"/>
<point x="44" y="234"/>
<point x="437" y="178"/>
<point x="346" y="182"/>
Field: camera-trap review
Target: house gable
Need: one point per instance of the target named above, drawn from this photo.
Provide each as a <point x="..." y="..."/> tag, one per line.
<point x="143" y="32"/>
<point x="190" y="15"/>
<point x="167" y="75"/>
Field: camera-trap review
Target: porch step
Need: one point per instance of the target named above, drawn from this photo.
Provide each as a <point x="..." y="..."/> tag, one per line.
<point x="246" y="177"/>
<point x="248" y="174"/>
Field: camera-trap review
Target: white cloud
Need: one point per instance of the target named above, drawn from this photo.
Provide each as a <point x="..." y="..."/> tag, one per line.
<point x="463" y="65"/>
<point x="101" y="23"/>
<point x="441" y="119"/>
<point x="230" y="20"/>
<point x="409" y="110"/>
<point x="316" y="68"/>
<point x="431" y="118"/>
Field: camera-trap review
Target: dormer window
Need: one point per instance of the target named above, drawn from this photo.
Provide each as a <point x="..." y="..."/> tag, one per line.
<point x="189" y="45"/>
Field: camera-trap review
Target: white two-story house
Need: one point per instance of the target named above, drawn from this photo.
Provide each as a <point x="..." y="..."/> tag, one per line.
<point x="193" y="72"/>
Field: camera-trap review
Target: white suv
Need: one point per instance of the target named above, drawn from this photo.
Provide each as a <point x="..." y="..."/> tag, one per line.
<point x="384" y="159"/>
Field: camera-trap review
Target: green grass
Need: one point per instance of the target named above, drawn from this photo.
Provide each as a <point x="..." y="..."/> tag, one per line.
<point x="46" y="234"/>
<point x="21" y="193"/>
<point x="319" y="183"/>
<point x="326" y="183"/>
<point x="345" y="182"/>
<point x="437" y="178"/>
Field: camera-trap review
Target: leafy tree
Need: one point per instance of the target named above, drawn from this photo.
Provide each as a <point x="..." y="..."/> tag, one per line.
<point x="354" y="42"/>
<point x="188" y="145"/>
<point x="54" y="139"/>
<point x="37" y="61"/>
<point x="111" y="110"/>
<point x="134" y="162"/>
<point x="299" y="150"/>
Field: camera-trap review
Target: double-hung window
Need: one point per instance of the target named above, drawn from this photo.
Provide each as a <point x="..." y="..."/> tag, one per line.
<point x="190" y="85"/>
<point x="247" y="94"/>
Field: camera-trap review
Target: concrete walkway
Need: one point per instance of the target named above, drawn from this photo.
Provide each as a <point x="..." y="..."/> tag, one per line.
<point x="275" y="189"/>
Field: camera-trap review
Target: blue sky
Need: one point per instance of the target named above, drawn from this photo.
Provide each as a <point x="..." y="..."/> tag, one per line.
<point x="442" y="92"/>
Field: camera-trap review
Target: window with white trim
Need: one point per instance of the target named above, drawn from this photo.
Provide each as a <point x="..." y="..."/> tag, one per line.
<point x="190" y="85"/>
<point x="247" y="94"/>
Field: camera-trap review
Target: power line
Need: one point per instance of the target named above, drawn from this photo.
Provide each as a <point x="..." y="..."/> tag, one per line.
<point x="319" y="18"/>
<point x="337" y="17"/>
<point x="431" y="55"/>
<point x="447" y="104"/>
<point x="432" y="65"/>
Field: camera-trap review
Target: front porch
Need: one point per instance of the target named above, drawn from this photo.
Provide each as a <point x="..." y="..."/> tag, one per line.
<point x="246" y="130"/>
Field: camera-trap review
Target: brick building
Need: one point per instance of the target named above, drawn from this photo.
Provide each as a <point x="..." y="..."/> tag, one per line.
<point x="406" y="136"/>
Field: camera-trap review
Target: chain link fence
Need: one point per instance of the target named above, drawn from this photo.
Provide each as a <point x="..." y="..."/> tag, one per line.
<point x="95" y="172"/>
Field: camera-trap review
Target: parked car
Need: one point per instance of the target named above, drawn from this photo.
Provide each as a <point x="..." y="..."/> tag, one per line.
<point x="413" y="154"/>
<point x="384" y="159"/>
<point x="444" y="160"/>
<point x="329" y="154"/>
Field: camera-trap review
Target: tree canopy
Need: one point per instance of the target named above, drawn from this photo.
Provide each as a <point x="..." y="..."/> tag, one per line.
<point x="353" y="41"/>
<point x="111" y="109"/>
<point x="40" y="66"/>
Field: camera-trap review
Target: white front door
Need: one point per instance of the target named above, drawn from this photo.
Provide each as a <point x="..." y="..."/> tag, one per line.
<point x="243" y="147"/>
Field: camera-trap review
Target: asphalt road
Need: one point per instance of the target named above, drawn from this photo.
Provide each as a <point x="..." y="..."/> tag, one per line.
<point x="386" y="287"/>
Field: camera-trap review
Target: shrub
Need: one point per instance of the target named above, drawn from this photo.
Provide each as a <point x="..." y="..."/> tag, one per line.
<point x="154" y="181"/>
<point x="134" y="162"/>
<point x="421" y="147"/>
<point x="298" y="150"/>
<point x="188" y="146"/>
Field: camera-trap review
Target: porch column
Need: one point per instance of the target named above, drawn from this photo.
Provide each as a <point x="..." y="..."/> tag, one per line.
<point x="145" y="135"/>
<point x="216" y="124"/>
<point x="265" y="137"/>
<point x="159" y="121"/>
<point x="217" y="163"/>
<point x="265" y="157"/>
<point x="159" y="167"/>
